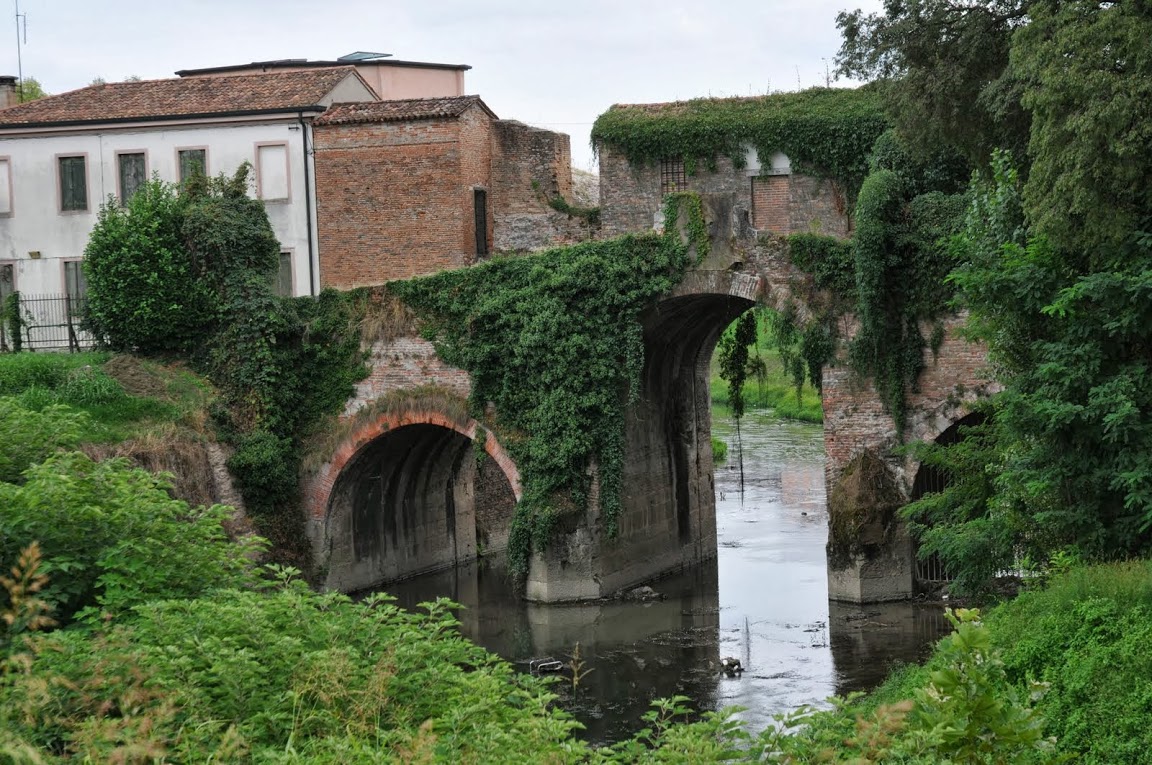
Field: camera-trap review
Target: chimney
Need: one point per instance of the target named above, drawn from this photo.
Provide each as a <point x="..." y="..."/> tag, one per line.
<point x="7" y="91"/>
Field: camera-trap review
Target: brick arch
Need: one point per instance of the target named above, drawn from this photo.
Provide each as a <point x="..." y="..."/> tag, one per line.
<point x="319" y="491"/>
<point x="403" y="495"/>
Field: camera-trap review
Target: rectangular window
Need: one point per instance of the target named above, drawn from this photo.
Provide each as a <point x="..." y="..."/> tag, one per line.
<point x="7" y="281"/>
<point x="272" y="172"/>
<point x="5" y="186"/>
<point x="132" y="174"/>
<point x="74" y="282"/>
<point x="192" y="162"/>
<point x="73" y="183"/>
<point x="672" y="176"/>
<point x="480" y="210"/>
<point x="284" y="276"/>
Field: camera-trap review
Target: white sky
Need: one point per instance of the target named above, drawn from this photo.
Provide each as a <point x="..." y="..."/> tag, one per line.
<point x="553" y="64"/>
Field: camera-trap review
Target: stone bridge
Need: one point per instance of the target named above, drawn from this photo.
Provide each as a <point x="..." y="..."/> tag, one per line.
<point x="404" y="492"/>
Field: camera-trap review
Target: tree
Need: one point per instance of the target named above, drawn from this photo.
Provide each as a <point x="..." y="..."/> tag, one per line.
<point x="144" y="290"/>
<point x="30" y="90"/>
<point x="944" y="65"/>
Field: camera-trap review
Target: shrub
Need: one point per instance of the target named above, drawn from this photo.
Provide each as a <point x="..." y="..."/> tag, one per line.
<point x="28" y="436"/>
<point x="112" y="537"/>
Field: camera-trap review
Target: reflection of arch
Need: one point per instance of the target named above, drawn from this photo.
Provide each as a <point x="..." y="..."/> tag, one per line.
<point x="404" y="494"/>
<point x="930" y="480"/>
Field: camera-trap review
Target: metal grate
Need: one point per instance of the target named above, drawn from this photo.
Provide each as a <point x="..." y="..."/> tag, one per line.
<point x="49" y="323"/>
<point x="672" y="177"/>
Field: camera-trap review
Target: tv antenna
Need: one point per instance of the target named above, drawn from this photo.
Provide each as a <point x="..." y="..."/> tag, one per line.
<point x="20" y="18"/>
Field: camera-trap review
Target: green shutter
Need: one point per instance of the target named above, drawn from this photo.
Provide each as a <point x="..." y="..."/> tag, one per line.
<point x="131" y="175"/>
<point x="73" y="184"/>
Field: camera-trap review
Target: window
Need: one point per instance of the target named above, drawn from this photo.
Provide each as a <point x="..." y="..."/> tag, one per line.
<point x="284" y="276"/>
<point x="132" y="174"/>
<point x="5" y="186"/>
<point x="480" y="209"/>
<point x="75" y="284"/>
<point x="73" y="184"/>
<point x="272" y="172"/>
<point x="672" y="176"/>
<point x="192" y="162"/>
<point x="7" y="281"/>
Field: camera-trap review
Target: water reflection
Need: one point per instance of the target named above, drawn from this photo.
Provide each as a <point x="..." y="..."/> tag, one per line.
<point x="763" y="600"/>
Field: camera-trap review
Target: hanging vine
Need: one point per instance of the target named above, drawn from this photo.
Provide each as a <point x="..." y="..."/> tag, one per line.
<point x="554" y="341"/>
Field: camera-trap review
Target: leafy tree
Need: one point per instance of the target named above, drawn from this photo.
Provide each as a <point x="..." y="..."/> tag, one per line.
<point x="944" y="64"/>
<point x="1086" y="69"/>
<point x="145" y="289"/>
<point x="30" y="90"/>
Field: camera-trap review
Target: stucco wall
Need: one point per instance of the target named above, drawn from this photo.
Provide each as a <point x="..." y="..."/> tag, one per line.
<point x="37" y="225"/>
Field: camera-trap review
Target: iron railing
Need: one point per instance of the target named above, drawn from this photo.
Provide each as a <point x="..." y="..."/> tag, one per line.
<point x="49" y="322"/>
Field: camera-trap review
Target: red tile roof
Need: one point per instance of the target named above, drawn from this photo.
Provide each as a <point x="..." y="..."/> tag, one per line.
<point x="400" y="110"/>
<point x="183" y="97"/>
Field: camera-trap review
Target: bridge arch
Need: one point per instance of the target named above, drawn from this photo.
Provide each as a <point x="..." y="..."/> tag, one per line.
<point x="668" y="517"/>
<point x="405" y="494"/>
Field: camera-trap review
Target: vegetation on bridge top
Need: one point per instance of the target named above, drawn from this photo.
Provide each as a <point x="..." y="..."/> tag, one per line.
<point x="826" y="132"/>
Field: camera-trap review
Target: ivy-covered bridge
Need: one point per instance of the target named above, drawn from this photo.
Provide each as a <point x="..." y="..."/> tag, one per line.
<point x="580" y="441"/>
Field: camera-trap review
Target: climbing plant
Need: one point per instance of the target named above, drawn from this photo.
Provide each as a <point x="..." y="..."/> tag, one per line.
<point x="553" y="340"/>
<point x="826" y="132"/>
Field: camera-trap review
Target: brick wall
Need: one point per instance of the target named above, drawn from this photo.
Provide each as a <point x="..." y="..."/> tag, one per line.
<point x="529" y="167"/>
<point x="403" y="363"/>
<point x="854" y="417"/>
<point x="394" y="199"/>
<point x="630" y="198"/>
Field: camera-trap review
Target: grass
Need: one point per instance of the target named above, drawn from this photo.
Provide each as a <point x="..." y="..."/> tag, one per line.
<point x="775" y="391"/>
<point x="80" y="380"/>
<point x="1087" y="638"/>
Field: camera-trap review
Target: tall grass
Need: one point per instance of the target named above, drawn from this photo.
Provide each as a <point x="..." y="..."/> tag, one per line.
<point x="77" y="380"/>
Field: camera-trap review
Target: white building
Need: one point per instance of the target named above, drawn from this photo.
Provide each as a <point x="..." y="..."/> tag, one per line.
<point x="64" y="156"/>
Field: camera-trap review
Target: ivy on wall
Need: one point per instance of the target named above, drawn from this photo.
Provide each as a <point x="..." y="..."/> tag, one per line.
<point x="825" y="132"/>
<point x="553" y="340"/>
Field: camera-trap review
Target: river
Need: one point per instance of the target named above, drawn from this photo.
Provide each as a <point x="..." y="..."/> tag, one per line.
<point x="764" y="600"/>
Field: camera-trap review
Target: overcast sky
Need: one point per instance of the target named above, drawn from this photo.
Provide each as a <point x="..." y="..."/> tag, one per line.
<point x="553" y="64"/>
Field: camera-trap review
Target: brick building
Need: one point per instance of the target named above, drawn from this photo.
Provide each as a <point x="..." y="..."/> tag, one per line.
<point x="413" y="186"/>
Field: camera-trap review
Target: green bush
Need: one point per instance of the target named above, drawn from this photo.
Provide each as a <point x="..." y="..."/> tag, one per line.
<point x="144" y="288"/>
<point x="28" y="436"/>
<point x="112" y="537"/>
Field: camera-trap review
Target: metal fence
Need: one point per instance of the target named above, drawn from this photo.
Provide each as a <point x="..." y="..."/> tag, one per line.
<point x="48" y="323"/>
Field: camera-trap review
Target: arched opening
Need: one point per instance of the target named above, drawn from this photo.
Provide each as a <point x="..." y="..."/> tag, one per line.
<point x="417" y="498"/>
<point x="669" y="510"/>
<point x="930" y="573"/>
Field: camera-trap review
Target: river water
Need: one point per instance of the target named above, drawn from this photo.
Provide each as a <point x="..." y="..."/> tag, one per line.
<point x="764" y="600"/>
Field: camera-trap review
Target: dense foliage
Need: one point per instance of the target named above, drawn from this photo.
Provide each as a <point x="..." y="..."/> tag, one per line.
<point x="146" y="293"/>
<point x="941" y="66"/>
<point x="191" y="270"/>
<point x="1053" y="265"/>
<point x="824" y="132"/>
<point x="553" y="340"/>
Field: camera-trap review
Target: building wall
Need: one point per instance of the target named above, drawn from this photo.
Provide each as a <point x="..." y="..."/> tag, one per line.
<point x="395" y="82"/>
<point x="530" y="166"/>
<point x="394" y="199"/>
<point x="631" y="197"/>
<point x="36" y="224"/>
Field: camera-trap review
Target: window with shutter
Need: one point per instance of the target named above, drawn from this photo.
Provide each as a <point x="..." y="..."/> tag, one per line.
<point x="74" y="282"/>
<point x="7" y="281"/>
<point x="73" y="184"/>
<point x="192" y="162"/>
<point x="284" y="276"/>
<point x="132" y="174"/>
